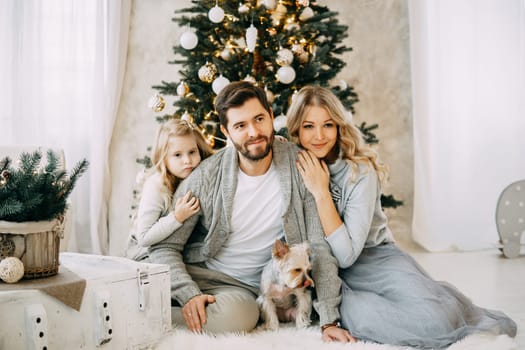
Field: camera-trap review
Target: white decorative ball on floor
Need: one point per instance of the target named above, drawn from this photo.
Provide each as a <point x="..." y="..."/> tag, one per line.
<point x="11" y="269"/>
<point x="286" y="74"/>
<point x="216" y="14"/>
<point x="189" y="40"/>
<point x="219" y="83"/>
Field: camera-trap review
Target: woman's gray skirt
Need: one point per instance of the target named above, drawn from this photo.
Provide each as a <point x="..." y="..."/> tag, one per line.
<point x="388" y="298"/>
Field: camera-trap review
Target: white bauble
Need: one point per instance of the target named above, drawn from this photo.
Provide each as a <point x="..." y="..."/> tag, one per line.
<point x="269" y="95"/>
<point x="226" y="54"/>
<point x="219" y="83"/>
<point x="182" y="89"/>
<point x="11" y="269"/>
<point x="216" y="14"/>
<point x="306" y="14"/>
<point x="250" y="79"/>
<point x="286" y="74"/>
<point x="189" y="40"/>
<point x="187" y="117"/>
<point x="269" y="4"/>
<point x="279" y="122"/>
<point x="251" y="38"/>
<point x="243" y="8"/>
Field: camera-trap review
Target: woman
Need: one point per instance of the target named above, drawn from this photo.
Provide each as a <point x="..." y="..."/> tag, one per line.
<point x="387" y="297"/>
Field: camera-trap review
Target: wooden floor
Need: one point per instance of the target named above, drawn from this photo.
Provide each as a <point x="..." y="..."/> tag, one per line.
<point x="488" y="278"/>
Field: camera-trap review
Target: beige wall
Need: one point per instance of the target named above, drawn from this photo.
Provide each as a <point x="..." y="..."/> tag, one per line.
<point x="378" y="68"/>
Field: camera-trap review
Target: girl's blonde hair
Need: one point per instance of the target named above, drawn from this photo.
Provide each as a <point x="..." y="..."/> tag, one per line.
<point x="169" y="129"/>
<point x="350" y="141"/>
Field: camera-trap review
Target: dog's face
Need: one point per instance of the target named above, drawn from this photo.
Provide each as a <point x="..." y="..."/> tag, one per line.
<point x="293" y="264"/>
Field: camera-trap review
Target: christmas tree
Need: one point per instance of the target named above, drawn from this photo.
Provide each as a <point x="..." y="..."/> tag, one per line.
<point x="280" y="45"/>
<point x="35" y="192"/>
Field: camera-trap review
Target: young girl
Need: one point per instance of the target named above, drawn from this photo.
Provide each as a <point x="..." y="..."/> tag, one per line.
<point x="386" y="296"/>
<point x="178" y="149"/>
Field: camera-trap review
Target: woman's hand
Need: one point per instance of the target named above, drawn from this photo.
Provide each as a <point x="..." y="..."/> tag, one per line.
<point x="194" y="311"/>
<point x="186" y="206"/>
<point x="314" y="172"/>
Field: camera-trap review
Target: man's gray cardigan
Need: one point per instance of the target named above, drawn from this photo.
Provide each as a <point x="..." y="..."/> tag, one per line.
<point x="201" y="236"/>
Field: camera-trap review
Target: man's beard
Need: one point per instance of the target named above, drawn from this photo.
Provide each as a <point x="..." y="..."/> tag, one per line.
<point x="243" y="149"/>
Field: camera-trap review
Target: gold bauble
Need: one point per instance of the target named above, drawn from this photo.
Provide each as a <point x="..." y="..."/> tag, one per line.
<point x="284" y="57"/>
<point x="207" y="72"/>
<point x="157" y="103"/>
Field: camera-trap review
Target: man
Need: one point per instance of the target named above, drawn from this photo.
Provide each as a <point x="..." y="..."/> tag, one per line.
<point x="250" y="195"/>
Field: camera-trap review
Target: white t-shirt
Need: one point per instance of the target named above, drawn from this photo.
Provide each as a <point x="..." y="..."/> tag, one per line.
<point x="256" y="223"/>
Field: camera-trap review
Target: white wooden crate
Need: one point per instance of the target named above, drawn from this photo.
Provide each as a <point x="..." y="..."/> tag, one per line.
<point x="120" y="310"/>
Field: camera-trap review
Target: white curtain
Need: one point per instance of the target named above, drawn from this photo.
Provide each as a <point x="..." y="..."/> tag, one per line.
<point x="61" y="71"/>
<point x="468" y="79"/>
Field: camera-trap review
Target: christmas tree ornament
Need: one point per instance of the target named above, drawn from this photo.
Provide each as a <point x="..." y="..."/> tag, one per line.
<point x="226" y="54"/>
<point x="11" y="269"/>
<point x="299" y="52"/>
<point x="187" y="117"/>
<point x="251" y="37"/>
<point x="216" y="14"/>
<point x="207" y="72"/>
<point x="182" y="89"/>
<point x="284" y="57"/>
<point x="271" y="31"/>
<point x="291" y="25"/>
<point x="269" y="4"/>
<point x="219" y="83"/>
<point x="342" y="84"/>
<point x="156" y="103"/>
<point x="243" y="8"/>
<point x="279" y="13"/>
<point x="279" y="122"/>
<point x="306" y="14"/>
<point x="249" y="79"/>
<point x="189" y="40"/>
<point x="286" y="74"/>
<point x="302" y="3"/>
<point x="269" y="95"/>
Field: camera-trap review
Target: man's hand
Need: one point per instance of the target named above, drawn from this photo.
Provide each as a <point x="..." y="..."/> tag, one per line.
<point x="194" y="311"/>
<point x="338" y="334"/>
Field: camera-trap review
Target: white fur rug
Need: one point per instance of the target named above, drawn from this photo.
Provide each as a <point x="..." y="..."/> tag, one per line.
<point x="291" y="339"/>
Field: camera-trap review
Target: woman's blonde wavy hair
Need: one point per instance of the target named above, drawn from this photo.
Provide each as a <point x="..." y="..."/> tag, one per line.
<point x="169" y="129"/>
<point x="350" y="142"/>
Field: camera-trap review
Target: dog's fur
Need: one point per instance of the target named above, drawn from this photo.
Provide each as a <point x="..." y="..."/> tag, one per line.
<point x="284" y="286"/>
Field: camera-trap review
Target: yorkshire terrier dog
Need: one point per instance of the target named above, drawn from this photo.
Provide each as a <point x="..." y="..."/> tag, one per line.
<point x="284" y="286"/>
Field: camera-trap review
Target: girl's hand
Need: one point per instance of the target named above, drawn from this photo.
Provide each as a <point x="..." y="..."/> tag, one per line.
<point x="314" y="172"/>
<point x="186" y="206"/>
<point x="338" y="334"/>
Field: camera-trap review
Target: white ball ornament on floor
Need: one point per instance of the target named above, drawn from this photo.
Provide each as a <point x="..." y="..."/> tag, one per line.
<point x="189" y="40"/>
<point x="219" y="83"/>
<point x="286" y="74"/>
<point x="216" y="14"/>
<point x="11" y="269"/>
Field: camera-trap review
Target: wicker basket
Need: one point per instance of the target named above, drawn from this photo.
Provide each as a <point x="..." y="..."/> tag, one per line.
<point x="36" y="244"/>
